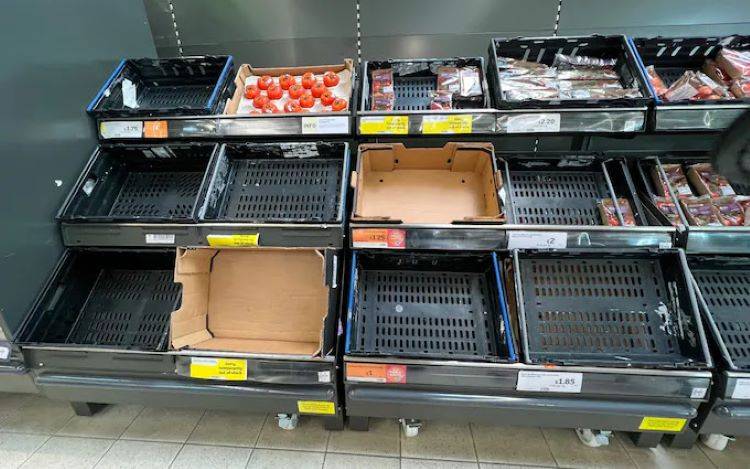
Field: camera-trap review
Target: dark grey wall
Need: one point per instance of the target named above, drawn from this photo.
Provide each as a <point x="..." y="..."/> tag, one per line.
<point x="57" y="55"/>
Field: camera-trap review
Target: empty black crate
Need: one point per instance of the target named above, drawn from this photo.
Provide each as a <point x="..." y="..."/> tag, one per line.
<point x="565" y="189"/>
<point x="428" y="306"/>
<point x="415" y="82"/>
<point x="163" y="87"/>
<point x="143" y="183"/>
<point x="629" y="309"/>
<point x="543" y="50"/>
<point x="114" y="299"/>
<point x="724" y="287"/>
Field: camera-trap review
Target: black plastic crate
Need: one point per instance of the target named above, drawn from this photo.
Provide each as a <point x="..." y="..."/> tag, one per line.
<point x="724" y="291"/>
<point x="175" y="86"/>
<point x="111" y="299"/>
<point x="278" y="182"/>
<point x="564" y="189"/>
<point x="140" y="183"/>
<point x="625" y="310"/>
<point x="428" y="306"/>
<point x="543" y="50"/>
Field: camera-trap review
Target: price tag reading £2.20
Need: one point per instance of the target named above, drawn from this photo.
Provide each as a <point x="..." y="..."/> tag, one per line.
<point x="533" y="123"/>
<point x="546" y="381"/>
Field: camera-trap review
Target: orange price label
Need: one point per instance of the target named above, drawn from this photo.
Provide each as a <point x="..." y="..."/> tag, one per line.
<point x="388" y="238"/>
<point x="155" y="129"/>
<point x="376" y="373"/>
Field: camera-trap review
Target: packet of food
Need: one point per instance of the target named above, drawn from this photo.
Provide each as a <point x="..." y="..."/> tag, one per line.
<point x="383" y="97"/>
<point x="707" y="181"/>
<point x="669" y="209"/>
<point x="675" y="178"/>
<point x="599" y="93"/>
<point x="740" y="87"/>
<point x="659" y="87"/>
<point x="574" y="61"/>
<point x="713" y="71"/>
<point x="744" y="202"/>
<point x="734" y="62"/>
<point x="509" y="67"/>
<point x="471" y="83"/>
<point x="609" y="214"/>
<point x="441" y="100"/>
<point x="700" y="211"/>
<point x="729" y="211"/>
<point x="695" y="86"/>
<point x="448" y="79"/>
<point x="528" y="87"/>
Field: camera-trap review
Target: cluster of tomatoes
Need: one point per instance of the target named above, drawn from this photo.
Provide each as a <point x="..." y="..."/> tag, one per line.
<point x="302" y="95"/>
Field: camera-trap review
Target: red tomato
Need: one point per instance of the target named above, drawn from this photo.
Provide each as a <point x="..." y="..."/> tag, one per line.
<point x="260" y="101"/>
<point x="331" y="79"/>
<point x="270" y="108"/>
<point x="307" y="100"/>
<point x="327" y="98"/>
<point x="264" y="82"/>
<point x="339" y="104"/>
<point x="295" y="91"/>
<point x="286" y="80"/>
<point x="318" y="89"/>
<point x="251" y="91"/>
<point x="308" y="80"/>
<point x="292" y="106"/>
<point x="275" y="92"/>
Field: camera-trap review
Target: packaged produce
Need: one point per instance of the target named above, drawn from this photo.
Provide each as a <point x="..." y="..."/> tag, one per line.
<point x="675" y="178"/>
<point x="471" y="82"/>
<point x="441" y="100"/>
<point x="383" y="97"/>
<point x="700" y="211"/>
<point x="609" y="214"/>
<point x="659" y="87"/>
<point x="509" y="67"/>
<point x="696" y="86"/>
<point x="598" y="93"/>
<point x="735" y="63"/>
<point x="744" y="202"/>
<point x="707" y="182"/>
<point x="667" y="207"/>
<point x="448" y="79"/>
<point x="729" y="211"/>
<point x="740" y="87"/>
<point x="575" y="61"/>
<point x="712" y="69"/>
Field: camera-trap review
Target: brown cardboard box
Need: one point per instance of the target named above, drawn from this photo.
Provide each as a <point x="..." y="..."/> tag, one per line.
<point x="246" y="70"/>
<point x="456" y="183"/>
<point x="271" y="301"/>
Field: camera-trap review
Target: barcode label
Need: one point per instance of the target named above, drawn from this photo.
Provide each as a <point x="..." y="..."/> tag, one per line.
<point x="159" y="239"/>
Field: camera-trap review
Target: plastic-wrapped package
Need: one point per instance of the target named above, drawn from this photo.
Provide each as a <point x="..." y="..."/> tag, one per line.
<point x="696" y="86"/>
<point x="574" y="61"/>
<point x="744" y="202"/>
<point x="713" y="71"/>
<point x="599" y="93"/>
<point x="729" y="211"/>
<point x="588" y="73"/>
<point x="735" y="63"/>
<point x="708" y="182"/>
<point x="509" y="67"/>
<point x="740" y="87"/>
<point x="659" y="87"/>
<point x="675" y="178"/>
<point x="383" y="97"/>
<point x="669" y="209"/>
<point x="441" y="101"/>
<point x="700" y="211"/>
<point x="609" y="214"/>
<point x="471" y="83"/>
<point x="527" y="87"/>
<point x="449" y="79"/>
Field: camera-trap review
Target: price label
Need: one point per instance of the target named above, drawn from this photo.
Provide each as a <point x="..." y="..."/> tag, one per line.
<point x="324" y="376"/>
<point x="316" y="407"/>
<point x="121" y="129"/>
<point x="398" y="125"/>
<point x="698" y="393"/>
<point x="160" y="239"/>
<point x="4" y="351"/>
<point x="155" y="129"/>
<point x="537" y="240"/>
<point x="544" y="381"/>
<point x="741" y="389"/>
<point x="325" y="125"/>
<point x="386" y="238"/>
<point x="452" y="124"/>
<point x="234" y="241"/>
<point x="376" y="373"/>
<point x="225" y="369"/>
<point x="662" y="424"/>
<point x="533" y="123"/>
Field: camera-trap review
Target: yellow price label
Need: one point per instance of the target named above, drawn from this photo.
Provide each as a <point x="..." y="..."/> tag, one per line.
<point x="234" y="241"/>
<point x="384" y="125"/>
<point x="316" y="407"/>
<point x="453" y="124"/>
<point x="225" y="369"/>
<point x="662" y="424"/>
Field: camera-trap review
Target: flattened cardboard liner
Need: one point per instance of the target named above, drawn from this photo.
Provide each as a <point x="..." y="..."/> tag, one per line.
<point x="456" y="183"/>
<point x="251" y="301"/>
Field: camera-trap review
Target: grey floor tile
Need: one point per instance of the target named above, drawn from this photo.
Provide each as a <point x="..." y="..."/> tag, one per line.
<point x="39" y="415"/>
<point x="228" y="428"/>
<point x="380" y="440"/>
<point x="275" y="459"/>
<point x="665" y="457"/>
<point x="347" y="461"/>
<point x="67" y="452"/>
<point x="109" y="422"/>
<point x="163" y="424"/>
<point x="10" y="403"/>
<point x="200" y="457"/>
<point x="407" y="463"/>
<point x="15" y="448"/>
<point x="570" y="452"/>
<point x="139" y="455"/>
<point x="309" y="435"/>
<point x="438" y="440"/>
<point x="736" y="455"/>
<point x="511" y="445"/>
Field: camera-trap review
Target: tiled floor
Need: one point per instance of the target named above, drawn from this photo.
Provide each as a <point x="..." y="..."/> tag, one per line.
<point x="35" y="433"/>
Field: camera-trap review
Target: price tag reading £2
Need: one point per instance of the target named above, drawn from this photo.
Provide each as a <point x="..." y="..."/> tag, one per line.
<point x="533" y="123"/>
<point x="537" y="240"/>
<point x="545" y="381"/>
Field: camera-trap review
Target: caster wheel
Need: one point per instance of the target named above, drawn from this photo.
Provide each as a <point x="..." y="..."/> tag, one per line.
<point x="410" y="427"/>
<point x="593" y="438"/>
<point x="288" y="421"/>
<point x="715" y="441"/>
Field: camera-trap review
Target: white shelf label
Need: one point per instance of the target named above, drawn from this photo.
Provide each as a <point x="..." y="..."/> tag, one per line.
<point x="4" y="352"/>
<point x="121" y="129"/>
<point x="742" y="389"/>
<point x="537" y="240"/>
<point x="325" y="125"/>
<point x="526" y="123"/>
<point x="159" y="239"/>
<point x="324" y="376"/>
<point x="546" y="381"/>
<point x="698" y="393"/>
<point x="129" y="98"/>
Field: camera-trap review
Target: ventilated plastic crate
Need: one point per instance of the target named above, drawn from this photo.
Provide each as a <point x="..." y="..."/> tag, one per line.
<point x="175" y="86"/>
<point x="145" y="183"/>
<point x="724" y="285"/>
<point x="627" y="310"/>
<point x="413" y="94"/>
<point x="289" y="182"/>
<point x="429" y="306"/>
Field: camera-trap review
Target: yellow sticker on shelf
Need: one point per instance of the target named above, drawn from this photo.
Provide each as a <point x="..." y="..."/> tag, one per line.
<point x="316" y="407"/>
<point x="234" y="241"/>
<point x="662" y="424"/>
<point x="452" y="124"/>
<point x="384" y="125"/>
<point x="225" y="369"/>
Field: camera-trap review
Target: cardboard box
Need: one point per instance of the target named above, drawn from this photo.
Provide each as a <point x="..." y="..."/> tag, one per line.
<point x="270" y="301"/>
<point x="456" y="183"/>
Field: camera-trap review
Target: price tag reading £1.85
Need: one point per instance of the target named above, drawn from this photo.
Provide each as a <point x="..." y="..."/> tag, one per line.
<point x="545" y="381"/>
